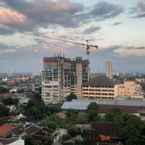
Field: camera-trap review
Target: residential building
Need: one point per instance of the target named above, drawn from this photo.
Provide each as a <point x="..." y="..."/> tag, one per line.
<point x="130" y="89"/>
<point x="61" y="76"/>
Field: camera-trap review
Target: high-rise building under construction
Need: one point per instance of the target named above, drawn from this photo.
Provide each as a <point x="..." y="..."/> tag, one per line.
<point x="61" y="76"/>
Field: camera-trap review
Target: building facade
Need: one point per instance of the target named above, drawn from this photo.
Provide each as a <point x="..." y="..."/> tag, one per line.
<point x="109" y="69"/>
<point x="99" y="88"/>
<point x="130" y="89"/>
<point x="61" y="76"/>
<point x="104" y="88"/>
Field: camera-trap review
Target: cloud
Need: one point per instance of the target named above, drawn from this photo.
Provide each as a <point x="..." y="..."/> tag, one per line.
<point x="18" y="40"/>
<point x="92" y="29"/>
<point x="139" y="10"/>
<point x="65" y="13"/>
<point x="5" y="30"/>
<point x="130" y="51"/>
<point x="117" y="23"/>
<point x="11" y="17"/>
<point x="104" y="10"/>
<point x="45" y="12"/>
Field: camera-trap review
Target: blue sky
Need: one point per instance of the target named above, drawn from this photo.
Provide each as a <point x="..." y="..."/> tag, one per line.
<point x="32" y="29"/>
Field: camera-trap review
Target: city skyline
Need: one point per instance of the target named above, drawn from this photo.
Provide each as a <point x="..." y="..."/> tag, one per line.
<point x="31" y="30"/>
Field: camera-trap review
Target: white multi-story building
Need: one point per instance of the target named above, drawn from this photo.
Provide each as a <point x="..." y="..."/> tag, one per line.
<point x="51" y="89"/>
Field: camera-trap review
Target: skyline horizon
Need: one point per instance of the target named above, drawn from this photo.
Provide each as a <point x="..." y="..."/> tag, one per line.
<point x="102" y="65"/>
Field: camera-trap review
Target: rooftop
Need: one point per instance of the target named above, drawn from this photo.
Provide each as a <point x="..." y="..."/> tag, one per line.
<point x="126" y="105"/>
<point x="100" y="81"/>
<point x="5" y="130"/>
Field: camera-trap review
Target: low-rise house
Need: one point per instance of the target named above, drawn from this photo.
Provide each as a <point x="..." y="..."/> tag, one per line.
<point x="6" y="130"/>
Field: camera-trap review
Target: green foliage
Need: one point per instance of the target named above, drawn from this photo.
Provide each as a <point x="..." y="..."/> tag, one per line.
<point x="4" y="111"/>
<point x="71" y="117"/>
<point x="4" y="89"/>
<point x="82" y="117"/>
<point x="34" y="110"/>
<point x="132" y="131"/>
<point x="53" y="122"/>
<point x="28" y="141"/>
<point x="74" y="131"/>
<point x="129" y="127"/>
<point x="10" y="101"/>
<point x="71" y="97"/>
<point x="38" y="93"/>
<point x="92" y="112"/>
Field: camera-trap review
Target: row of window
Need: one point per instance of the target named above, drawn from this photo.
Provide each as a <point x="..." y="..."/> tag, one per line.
<point x="104" y="94"/>
<point x="98" y="90"/>
<point x="99" y="97"/>
<point x="98" y="86"/>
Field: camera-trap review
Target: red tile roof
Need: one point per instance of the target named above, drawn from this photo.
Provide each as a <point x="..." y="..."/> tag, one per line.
<point x="103" y="138"/>
<point x="5" y="130"/>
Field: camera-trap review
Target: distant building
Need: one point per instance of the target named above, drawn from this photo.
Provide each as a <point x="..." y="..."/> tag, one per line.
<point x="61" y="76"/>
<point x="109" y="69"/>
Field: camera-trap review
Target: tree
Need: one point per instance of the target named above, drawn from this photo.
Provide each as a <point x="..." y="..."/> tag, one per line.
<point x="4" y="89"/>
<point x="71" y="97"/>
<point x="4" y="111"/>
<point x="34" y="110"/>
<point x="92" y="112"/>
<point x="53" y="122"/>
<point x="37" y="94"/>
<point x="132" y="131"/>
<point x="71" y="117"/>
<point x="10" y="101"/>
<point x="28" y="141"/>
<point x="129" y="127"/>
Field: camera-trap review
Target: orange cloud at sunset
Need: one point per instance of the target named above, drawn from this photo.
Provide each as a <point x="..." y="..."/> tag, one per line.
<point x="11" y="17"/>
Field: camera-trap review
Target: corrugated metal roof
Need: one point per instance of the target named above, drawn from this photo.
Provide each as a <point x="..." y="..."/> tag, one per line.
<point x="83" y="104"/>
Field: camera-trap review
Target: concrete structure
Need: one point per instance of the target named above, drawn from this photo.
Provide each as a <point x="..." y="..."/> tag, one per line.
<point x="109" y="69"/>
<point x="102" y="87"/>
<point x="99" y="88"/>
<point x="130" y="89"/>
<point x="62" y="76"/>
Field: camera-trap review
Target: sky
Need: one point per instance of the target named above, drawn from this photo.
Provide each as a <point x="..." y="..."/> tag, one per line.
<point x="33" y="29"/>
